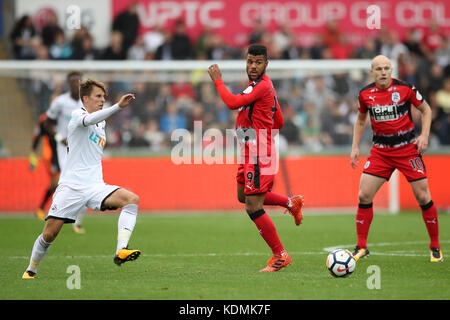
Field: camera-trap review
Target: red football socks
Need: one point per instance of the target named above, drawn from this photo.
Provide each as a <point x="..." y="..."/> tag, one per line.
<point x="364" y="217"/>
<point x="275" y="199"/>
<point x="267" y="230"/>
<point x="430" y="217"/>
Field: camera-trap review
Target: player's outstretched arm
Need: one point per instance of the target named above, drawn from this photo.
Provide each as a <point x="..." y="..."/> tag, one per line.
<point x="358" y="132"/>
<point x="99" y="116"/>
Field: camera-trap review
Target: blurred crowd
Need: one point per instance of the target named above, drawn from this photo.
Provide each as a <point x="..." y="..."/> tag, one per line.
<point x="319" y="110"/>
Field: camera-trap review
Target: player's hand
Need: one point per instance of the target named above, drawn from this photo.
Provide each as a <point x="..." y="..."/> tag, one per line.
<point x="354" y="157"/>
<point x="33" y="161"/>
<point x="125" y="100"/>
<point x="214" y="72"/>
<point x="422" y="144"/>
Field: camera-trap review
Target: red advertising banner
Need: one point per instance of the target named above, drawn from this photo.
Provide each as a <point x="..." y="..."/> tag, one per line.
<point x="234" y="19"/>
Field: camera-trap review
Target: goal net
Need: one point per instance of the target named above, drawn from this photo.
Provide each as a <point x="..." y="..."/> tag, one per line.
<point x="318" y="99"/>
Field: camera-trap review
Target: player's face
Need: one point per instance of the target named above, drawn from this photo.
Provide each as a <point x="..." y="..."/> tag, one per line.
<point x="382" y="72"/>
<point x="74" y="84"/>
<point x="256" y="66"/>
<point x="94" y="102"/>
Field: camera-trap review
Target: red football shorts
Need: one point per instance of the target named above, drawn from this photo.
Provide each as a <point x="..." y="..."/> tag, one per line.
<point x="407" y="161"/>
<point x="249" y="176"/>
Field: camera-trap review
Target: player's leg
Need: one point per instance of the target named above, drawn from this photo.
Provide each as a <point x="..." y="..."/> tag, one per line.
<point x="368" y="187"/>
<point x="430" y="217"/>
<point x="42" y="245"/>
<point x="128" y="201"/>
<point x="66" y="203"/>
<point x="293" y="204"/>
<point x="266" y="228"/>
<point x="240" y="193"/>
<point x="256" y="212"/>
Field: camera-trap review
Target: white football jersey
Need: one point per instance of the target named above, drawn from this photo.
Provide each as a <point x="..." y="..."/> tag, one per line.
<point x="85" y="151"/>
<point x="61" y="110"/>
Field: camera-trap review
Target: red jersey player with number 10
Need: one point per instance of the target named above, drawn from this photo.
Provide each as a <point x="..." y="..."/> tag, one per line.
<point x="389" y="101"/>
<point x="258" y="118"/>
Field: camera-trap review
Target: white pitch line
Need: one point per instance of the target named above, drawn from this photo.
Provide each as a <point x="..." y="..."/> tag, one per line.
<point x="174" y="255"/>
<point x="223" y="254"/>
<point x="387" y="244"/>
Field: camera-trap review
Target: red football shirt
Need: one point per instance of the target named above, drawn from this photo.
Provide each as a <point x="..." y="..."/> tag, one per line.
<point x="258" y="109"/>
<point x="390" y="113"/>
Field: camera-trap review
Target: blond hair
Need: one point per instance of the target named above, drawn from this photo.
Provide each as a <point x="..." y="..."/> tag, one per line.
<point x="87" y="85"/>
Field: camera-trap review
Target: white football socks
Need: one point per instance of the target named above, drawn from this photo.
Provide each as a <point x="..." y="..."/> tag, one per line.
<point x="40" y="249"/>
<point x="126" y="223"/>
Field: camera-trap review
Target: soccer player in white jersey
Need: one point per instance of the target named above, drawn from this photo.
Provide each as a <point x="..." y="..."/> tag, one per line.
<point x="58" y="117"/>
<point x="81" y="184"/>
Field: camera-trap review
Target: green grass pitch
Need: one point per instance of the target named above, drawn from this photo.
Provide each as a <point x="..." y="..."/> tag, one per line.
<point x="217" y="256"/>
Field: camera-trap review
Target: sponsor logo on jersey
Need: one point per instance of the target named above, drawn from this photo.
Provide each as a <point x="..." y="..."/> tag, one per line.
<point x="385" y="113"/>
<point x="97" y="139"/>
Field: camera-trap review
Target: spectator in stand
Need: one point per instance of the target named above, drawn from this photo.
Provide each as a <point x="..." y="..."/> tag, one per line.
<point x="137" y="51"/>
<point x="115" y="50"/>
<point x="127" y="23"/>
<point x="282" y="37"/>
<point x="395" y="50"/>
<point x="292" y="51"/>
<point x="290" y="130"/>
<point x="433" y="36"/>
<point x="331" y="34"/>
<point x="172" y="119"/>
<point x="368" y="49"/>
<point x="138" y="139"/>
<point x="50" y="30"/>
<point x="181" y="43"/>
<point x="259" y="34"/>
<point x="412" y="41"/>
<point x="217" y="49"/>
<point x="164" y="51"/>
<point x="164" y="97"/>
<point x="152" y="40"/>
<point x="60" y="49"/>
<point x="203" y="43"/>
<point x="317" y="48"/>
<point x="443" y="101"/>
<point x="341" y="48"/>
<point x="84" y="49"/>
<point x="443" y="53"/>
<point x="21" y="35"/>
<point x="154" y="135"/>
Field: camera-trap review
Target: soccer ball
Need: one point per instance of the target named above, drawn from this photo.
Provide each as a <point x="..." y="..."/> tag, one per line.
<point x="340" y="263"/>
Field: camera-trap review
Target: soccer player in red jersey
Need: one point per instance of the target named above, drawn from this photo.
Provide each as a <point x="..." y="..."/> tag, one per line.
<point x="259" y="116"/>
<point x="49" y="158"/>
<point x="388" y="101"/>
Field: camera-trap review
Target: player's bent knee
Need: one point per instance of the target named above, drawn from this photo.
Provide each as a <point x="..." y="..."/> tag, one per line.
<point x="364" y="197"/>
<point x="132" y="199"/>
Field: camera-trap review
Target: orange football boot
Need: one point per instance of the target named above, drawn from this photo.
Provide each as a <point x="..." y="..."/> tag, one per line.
<point x="277" y="262"/>
<point x="296" y="208"/>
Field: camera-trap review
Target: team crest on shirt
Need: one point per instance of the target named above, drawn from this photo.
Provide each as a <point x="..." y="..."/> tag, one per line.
<point x="395" y="97"/>
<point x="367" y="165"/>
<point x="248" y="90"/>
